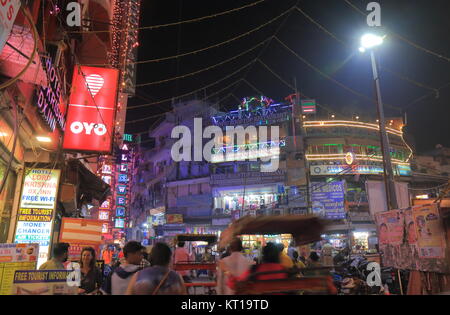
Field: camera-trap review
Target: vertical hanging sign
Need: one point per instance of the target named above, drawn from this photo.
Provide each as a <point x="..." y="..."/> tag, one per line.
<point x="93" y="99"/>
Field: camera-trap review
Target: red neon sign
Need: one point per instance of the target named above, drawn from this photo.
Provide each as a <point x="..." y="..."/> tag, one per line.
<point x="92" y="105"/>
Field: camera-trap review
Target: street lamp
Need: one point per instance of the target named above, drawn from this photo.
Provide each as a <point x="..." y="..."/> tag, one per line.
<point x="370" y="42"/>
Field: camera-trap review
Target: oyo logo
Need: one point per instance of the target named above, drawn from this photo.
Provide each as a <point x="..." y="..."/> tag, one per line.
<point x="78" y="127"/>
<point x="95" y="83"/>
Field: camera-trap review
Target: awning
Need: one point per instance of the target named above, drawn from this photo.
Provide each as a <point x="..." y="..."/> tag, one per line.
<point x="89" y="184"/>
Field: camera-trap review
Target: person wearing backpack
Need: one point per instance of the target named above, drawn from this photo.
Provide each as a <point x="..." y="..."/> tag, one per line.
<point x="121" y="275"/>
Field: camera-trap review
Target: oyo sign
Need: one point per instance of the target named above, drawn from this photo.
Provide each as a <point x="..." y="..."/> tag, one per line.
<point x="92" y="108"/>
<point x="87" y="128"/>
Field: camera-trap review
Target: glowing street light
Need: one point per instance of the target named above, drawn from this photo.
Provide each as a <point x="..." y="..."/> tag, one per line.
<point x="369" y="41"/>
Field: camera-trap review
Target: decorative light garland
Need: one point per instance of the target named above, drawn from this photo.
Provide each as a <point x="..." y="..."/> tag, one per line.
<point x="345" y="123"/>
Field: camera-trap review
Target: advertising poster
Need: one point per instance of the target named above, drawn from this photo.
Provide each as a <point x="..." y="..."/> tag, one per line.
<point x="15" y="257"/>
<point x="328" y="199"/>
<point x="43" y="282"/>
<point x="401" y="243"/>
<point x="37" y="205"/>
<point x="429" y="230"/>
<point x="390" y="227"/>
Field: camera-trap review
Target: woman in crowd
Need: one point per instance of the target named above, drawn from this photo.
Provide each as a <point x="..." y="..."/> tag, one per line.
<point x="91" y="276"/>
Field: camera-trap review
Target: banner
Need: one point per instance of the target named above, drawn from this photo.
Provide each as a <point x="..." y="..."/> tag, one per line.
<point x="8" y="13"/>
<point x="43" y="282"/>
<point x="15" y="257"/>
<point x="328" y="199"/>
<point x="92" y="106"/>
<point x="174" y="218"/>
<point x="37" y="205"/>
<point x="429" y="231"/>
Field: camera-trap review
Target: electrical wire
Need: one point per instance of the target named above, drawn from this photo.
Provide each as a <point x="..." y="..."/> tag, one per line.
<point x="209" y="47"/>
<point x="332" y="79"/>
<point x="401" y="37"/>
<point x="192" y="92"/>
<point x="403" y="77"/>
<point x="177" y="23"/>
<point x="210" y="67"/>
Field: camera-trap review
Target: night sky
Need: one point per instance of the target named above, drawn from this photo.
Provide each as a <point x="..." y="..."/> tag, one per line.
<point x="424" y="23"/>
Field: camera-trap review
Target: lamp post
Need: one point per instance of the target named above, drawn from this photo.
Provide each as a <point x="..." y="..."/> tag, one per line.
<point x="369" y="42"/>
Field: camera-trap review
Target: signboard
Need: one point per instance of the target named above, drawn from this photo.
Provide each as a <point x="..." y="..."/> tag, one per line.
<point x="103" y="215"/>
<point x="90" y="120"/>
<point x="37" y="205"/>
<point x="8" y="13"/>
<point x="308" y="107"/>
<point x="75" y="250"/>
<point x="321" y="170"/>
<point x="49" y="97"/>
<point x="40" y="188"/>
<point x="81" y="231"/>
<point x="119" y="223"/>
<point x="328" y="199"/>
<point x="429" y="231"/>
<point x="174" y="218"/>
<point x="15" y="257"/>
<point x="390" y="228"/>
<point x="43" y="282"/>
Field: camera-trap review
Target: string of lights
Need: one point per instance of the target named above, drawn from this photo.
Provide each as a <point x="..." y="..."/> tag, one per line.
<point x="199" y="19"/>
<point x="422" y="85"/>
<point x="401" y="37"/>
<point x="192" y="92"/>
<point x="332" y="79"/>
<point x="210" y="67"/>
<point x="205" y="48"/>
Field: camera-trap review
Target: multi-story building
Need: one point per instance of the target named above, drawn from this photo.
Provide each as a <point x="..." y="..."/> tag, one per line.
<point x="169" y="197"/>
<point x="344" y="161"/>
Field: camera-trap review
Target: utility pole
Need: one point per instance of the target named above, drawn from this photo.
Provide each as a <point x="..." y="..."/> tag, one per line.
<point x="301" y="148"/>
<point x="387" y="164"/>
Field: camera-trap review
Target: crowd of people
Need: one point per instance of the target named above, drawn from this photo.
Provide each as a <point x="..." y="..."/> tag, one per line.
<point x="134" y="271"/>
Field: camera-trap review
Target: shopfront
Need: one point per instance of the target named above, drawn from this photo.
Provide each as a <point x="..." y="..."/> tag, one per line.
<point x="249" y="198"/>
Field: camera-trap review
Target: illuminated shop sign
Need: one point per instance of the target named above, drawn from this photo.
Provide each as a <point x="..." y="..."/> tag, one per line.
<point x="399" y="170"/>
<point x="122" y="189"/>
<point x="119" y="223"/>
<point x="247" y="151"/>
<point x="37" y="205"/>
<point x="103" y="215"/>
<point x="90" y="120"/>
<point x="120" y="212"/>
<point x="49" y="98"/>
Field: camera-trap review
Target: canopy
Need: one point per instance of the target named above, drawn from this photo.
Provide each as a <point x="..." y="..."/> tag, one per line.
<point x="305" y="229"/>
<point x="210" y="238"/>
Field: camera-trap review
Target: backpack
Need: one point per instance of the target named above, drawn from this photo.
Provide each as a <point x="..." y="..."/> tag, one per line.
<point x="107" y="284"/>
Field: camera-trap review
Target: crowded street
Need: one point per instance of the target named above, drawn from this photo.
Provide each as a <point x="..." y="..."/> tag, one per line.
<point x="224" y="150"/>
